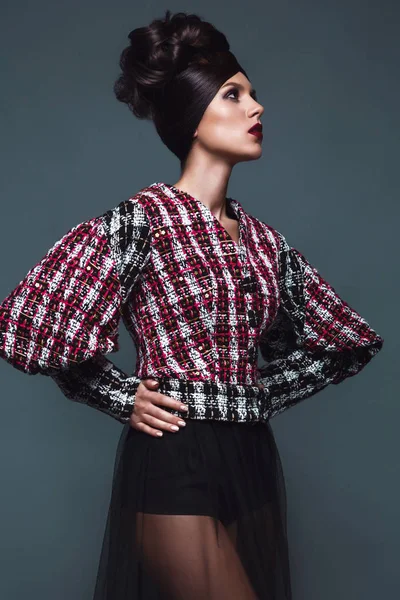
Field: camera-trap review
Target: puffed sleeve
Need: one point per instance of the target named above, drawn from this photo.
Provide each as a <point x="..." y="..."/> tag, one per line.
<point x="316" y="338"/>
<point x="63" y="317"/>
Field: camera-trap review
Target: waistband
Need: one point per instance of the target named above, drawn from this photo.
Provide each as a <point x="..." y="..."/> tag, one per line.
<point x="215" y="399"/>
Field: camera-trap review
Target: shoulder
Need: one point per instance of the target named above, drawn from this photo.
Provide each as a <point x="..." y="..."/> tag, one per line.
<point x="290" y="262"/>
<point x="131" y="210"/>
<point x="106" y="235"/>
<point x="265" y="230"/>
<point x="140" y="209"/>
<point x="126" y="219"/>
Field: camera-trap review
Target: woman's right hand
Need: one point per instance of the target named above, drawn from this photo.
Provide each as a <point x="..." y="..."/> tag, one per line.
<point x="148" y="417"/>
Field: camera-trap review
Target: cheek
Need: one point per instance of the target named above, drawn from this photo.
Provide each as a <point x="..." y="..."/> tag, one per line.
<point x="227" y="131"/>
<point x="223" y="129"/>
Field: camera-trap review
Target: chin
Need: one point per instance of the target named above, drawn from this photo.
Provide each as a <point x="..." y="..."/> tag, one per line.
<point x="254" y="155"/>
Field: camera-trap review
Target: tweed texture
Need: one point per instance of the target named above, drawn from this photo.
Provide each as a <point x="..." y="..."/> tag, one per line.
<point x="316" y="338"/>
<point x="198" y="305"/>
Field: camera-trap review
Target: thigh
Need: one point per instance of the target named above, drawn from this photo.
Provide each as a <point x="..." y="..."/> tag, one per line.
<point x="259" y="538"/>
<point x="182" y="553"/>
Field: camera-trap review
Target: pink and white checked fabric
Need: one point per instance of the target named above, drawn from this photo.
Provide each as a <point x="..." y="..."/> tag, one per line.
<point x="198" y="305"/>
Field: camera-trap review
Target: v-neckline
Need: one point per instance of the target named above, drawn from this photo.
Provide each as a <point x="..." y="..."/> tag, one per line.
<point x="207" y="212"/>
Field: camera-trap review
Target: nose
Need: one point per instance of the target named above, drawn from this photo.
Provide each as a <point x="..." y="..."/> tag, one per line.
<point x="257" y="109"/>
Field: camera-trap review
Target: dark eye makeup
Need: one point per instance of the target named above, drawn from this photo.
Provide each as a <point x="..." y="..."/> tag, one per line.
<point x="236" y="92"/>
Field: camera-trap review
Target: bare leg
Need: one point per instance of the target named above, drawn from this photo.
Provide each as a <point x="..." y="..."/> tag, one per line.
<point x="232" y="531"/>
<point x="257" y="534"/>
<point x="182" y="554"/>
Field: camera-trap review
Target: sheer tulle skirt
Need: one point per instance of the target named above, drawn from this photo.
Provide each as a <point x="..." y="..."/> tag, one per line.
<point x="200" y="513"/>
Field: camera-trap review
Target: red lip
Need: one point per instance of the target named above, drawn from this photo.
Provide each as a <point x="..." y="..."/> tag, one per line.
<point x="257" y="130"/>
<point x="257" y="127"/>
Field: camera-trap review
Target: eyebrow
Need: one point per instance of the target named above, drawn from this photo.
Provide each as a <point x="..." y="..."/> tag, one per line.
<point x="240" y="86"/>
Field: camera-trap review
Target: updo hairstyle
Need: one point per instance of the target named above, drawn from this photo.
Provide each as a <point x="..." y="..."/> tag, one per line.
<point x="171" y="71"/>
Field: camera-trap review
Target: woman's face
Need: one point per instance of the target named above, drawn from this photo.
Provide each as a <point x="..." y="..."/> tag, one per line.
<point x="224" y="128"/>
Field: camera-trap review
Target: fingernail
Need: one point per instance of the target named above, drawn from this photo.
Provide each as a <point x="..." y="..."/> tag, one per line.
<point x="174" y="427"/>
<point x="182" y="423"/>
<point x="184" y="407"/>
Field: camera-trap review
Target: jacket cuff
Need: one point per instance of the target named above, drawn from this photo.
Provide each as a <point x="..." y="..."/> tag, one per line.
<point x="123" y="406"/>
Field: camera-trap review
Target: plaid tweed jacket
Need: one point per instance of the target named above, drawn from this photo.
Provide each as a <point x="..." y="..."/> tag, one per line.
<point x="198" y="306"/>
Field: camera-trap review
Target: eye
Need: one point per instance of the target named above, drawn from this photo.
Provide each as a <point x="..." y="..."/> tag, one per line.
<point x="232" y="91"/>
<point x="235" y="92"/>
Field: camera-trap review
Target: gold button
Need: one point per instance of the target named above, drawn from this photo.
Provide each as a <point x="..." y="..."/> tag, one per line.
<point x="157" y="235"/>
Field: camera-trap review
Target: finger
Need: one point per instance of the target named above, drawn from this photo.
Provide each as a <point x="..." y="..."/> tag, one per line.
<point x="150" y="383"/>
<point x="147" y="429"/>
<point x="162" y="415"/>
<point x="157" y="398"/>
<point x="164" y="424"/>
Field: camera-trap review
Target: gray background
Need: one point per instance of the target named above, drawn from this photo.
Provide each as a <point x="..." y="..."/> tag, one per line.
<point x="327" y="75"/>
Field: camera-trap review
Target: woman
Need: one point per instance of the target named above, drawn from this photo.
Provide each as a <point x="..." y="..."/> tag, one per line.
<point x="198" y="505"/>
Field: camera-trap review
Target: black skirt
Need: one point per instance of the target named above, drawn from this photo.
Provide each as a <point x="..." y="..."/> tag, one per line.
<point x="200" y="513"/>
